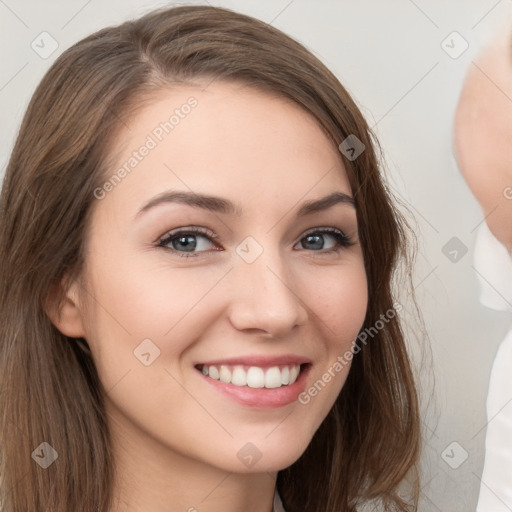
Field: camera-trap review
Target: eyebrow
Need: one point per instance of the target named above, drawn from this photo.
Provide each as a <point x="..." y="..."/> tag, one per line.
<point x="221" y="205"/>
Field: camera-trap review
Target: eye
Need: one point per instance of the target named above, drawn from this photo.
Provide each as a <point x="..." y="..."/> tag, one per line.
<point x="326" y="240"/>
<point x="188" y="242"/>
<point x="191" y="241"/>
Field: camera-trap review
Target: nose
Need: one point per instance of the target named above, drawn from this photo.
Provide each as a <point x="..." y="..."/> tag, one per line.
<point x="263" y="299"/>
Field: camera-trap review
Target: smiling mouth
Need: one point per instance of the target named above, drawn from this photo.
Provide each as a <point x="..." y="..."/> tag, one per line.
<point x="254" y="376"/>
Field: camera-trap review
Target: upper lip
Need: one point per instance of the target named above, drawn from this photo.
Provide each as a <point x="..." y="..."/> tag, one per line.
<point x="258" y="360"/>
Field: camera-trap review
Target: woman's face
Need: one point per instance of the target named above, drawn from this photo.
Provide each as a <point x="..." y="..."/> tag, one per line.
<point x="200" y="311"/>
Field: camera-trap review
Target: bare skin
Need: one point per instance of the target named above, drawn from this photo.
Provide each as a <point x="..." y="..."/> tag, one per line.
<point x="176" y="437"/>
<point x="483" y="134"/>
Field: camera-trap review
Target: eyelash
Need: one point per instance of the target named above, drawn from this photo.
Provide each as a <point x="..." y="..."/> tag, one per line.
<point x="343" y="241"/>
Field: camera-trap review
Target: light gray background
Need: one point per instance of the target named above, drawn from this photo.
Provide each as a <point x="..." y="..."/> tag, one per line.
<point x="389" y="55"/>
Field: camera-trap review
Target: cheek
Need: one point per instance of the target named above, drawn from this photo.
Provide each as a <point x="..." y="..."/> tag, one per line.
<point x="142" y="321"/>
<point x="134" y="301"/>
<point x="339" y="298"/>
<point x="339" y="303"/>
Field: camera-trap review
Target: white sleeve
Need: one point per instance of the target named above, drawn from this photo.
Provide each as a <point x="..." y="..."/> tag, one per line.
<point x="493" y="266"/>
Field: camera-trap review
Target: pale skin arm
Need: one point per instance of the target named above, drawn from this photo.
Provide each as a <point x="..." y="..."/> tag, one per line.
<point x="483" y="134"/>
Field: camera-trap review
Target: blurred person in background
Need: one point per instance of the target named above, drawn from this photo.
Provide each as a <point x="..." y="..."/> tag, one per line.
<point x="483" y="149"/>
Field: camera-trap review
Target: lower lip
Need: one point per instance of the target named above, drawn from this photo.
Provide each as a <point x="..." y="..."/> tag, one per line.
<point x="263" y="398"/>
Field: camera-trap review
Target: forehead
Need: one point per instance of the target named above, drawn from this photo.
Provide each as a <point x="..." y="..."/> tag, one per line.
<point x="226" y="139"/>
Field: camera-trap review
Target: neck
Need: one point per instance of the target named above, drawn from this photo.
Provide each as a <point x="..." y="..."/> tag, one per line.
<point x="151" y="477"/>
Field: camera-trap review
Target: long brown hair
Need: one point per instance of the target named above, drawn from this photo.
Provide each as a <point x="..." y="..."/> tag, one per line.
<point x="49" y="389"/>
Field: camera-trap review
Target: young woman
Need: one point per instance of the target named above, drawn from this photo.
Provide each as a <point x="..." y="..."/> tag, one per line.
<point x="196" y="257"/>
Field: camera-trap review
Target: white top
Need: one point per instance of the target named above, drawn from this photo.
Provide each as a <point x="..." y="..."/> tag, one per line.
<point x="278" y="504"/>
<point x="494" y="273"/>
<point x="494" y="266"/>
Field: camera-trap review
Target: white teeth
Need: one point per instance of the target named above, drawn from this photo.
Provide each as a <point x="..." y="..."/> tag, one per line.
<point x="254" y="377"/>
<point x="213" y="372"/>
<point x="225" y="374"/>
<point x="273" y="378"/>
<point x="294" y="372"/>
<point x="239" y="377"/>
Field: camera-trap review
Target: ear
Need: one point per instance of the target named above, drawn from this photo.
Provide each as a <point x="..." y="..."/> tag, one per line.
<point x="66" y="315"/>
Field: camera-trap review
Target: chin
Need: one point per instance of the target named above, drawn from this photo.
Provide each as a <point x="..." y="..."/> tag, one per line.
<point x="268" y="455"/>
